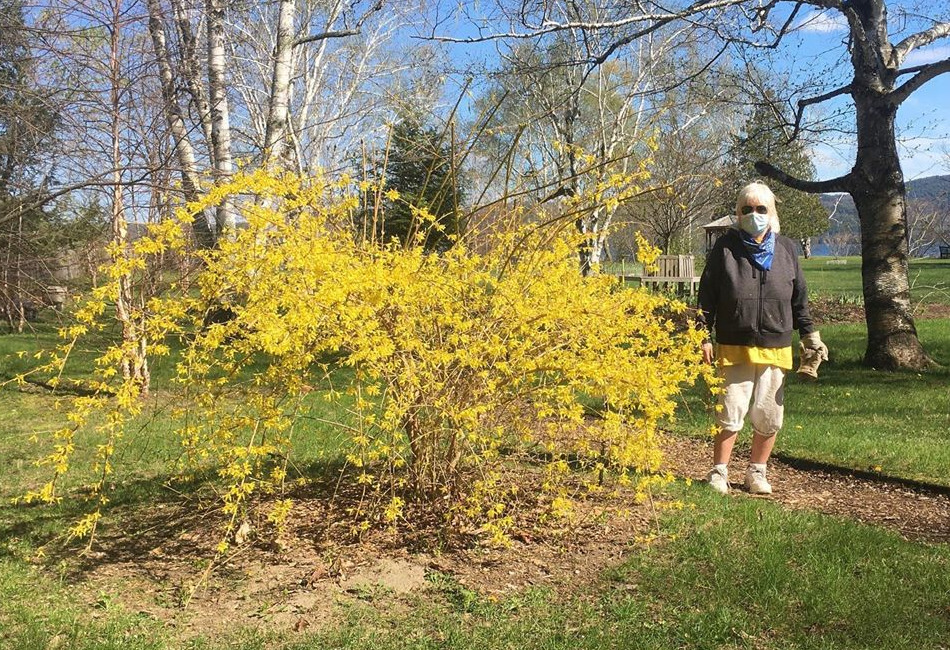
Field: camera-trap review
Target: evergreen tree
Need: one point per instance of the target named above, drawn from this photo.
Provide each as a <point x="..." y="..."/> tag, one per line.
<point x="764" y="138"/>
<point x="420" y="168"/>
<point x="27" y="122"/>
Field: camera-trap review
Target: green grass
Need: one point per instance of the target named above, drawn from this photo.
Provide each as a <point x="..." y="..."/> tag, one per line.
<point x="726" y="573"/>
<point x="740" y="573"/>
<point x="894" y="423"/>
<point x="732" y="573"/>
<point x="147" y="458"/>
<point x="37" y="613"/>
<point x="929" y="278"/>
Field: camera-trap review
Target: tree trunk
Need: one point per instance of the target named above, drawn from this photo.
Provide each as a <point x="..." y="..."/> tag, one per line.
<point x="806" y="247"/>
<point x="191" y="68"/>
<point x="877" y="186"/>
<point x="134" y="363"/>
<point x="184" y="151"/>
<point x="18" y="277"/>
<point x="278" y="113"/>
<point x="220" y="114"/>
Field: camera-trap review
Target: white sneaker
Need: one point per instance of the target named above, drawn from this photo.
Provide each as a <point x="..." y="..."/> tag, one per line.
<point x="718" y="480"/>
<point x="755" y="481"/>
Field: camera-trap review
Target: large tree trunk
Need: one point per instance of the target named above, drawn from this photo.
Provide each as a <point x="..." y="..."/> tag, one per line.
<point x="879" y="195"/>
<point x="876" y="182"/>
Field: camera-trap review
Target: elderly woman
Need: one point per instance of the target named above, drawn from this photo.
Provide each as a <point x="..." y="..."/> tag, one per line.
<point x="751" y="296"/>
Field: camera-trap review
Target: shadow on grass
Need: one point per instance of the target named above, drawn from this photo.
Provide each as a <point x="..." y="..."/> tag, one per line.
<point x="166" y="521"/>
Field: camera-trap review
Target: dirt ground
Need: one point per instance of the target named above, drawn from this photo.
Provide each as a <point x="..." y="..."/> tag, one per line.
<point x="151" y="562"/>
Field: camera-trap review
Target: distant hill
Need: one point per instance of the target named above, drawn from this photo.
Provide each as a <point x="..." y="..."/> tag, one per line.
<point x="934" y="190"/>
<point x="842" y="237"/>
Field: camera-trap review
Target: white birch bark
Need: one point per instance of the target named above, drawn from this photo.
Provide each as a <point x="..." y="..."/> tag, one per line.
<point x="184" y="151"/>
<point x="191" y="67"/>
<point x="220" y="114"/>
<point x="278" y="115"/>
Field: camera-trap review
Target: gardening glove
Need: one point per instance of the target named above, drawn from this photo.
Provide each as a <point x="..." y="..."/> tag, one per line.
<point x="813" y="352"/>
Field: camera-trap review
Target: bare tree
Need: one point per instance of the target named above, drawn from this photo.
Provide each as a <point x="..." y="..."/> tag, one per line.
<point x="926" y="223"/>
<point x="184" y="150"/>
<point x="580" y="125"/>
<point x="879" y="84"/>
<point x="220" y="112"/>
<point x="278" y="115"/>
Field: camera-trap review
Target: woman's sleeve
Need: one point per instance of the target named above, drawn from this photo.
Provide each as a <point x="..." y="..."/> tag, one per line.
<point x="709" y="290"/>
<point x="801" y="317"/>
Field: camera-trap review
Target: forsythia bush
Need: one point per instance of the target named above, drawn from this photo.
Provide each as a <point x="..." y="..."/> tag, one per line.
<point x="450" y="360"/>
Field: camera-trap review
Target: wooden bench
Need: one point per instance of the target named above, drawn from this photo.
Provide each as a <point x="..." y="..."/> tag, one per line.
<point x="673" y="273"/>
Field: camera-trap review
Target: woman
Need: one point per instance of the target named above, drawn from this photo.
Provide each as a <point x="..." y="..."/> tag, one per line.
<point x="752" y="295"/>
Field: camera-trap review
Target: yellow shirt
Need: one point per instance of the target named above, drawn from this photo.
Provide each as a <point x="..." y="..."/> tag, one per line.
<point x="732" y="355"/>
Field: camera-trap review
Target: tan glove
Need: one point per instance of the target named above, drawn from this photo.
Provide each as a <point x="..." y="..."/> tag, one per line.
<point x="813" y="352"/>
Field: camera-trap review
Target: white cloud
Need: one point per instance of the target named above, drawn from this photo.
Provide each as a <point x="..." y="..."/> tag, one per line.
<point x="822" y="22"/>
<point x="927" y="55"/>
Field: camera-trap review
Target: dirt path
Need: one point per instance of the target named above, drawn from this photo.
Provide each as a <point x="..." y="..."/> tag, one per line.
<point x="916" y="512"/>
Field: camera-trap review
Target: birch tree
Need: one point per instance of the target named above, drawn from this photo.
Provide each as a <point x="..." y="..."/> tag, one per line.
<point x="313" y="78"/>
<point x="182" y="144"/>
<point x="219" y="110"/>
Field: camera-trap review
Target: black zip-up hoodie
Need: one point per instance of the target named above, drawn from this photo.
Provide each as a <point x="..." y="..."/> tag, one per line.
<point x="744" y="305"/>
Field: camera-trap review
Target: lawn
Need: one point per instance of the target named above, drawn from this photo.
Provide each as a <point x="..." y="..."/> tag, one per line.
<point x="897" y="424"/>
<point x="723" y="573"/>
<point x="929" y="278"/>
<point x="714" y="573"/>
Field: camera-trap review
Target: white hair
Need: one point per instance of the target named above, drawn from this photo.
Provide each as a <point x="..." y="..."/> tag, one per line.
<point x="758" y="193"/>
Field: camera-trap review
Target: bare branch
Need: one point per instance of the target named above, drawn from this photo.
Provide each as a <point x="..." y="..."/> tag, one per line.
<point x="341" y="33"/>
<point x="840" y="184"/>
<point x="549" y="27"/>
<point x="802" y="104"/>
<point x="921" y="39"/>
<point x="924" y="73"/>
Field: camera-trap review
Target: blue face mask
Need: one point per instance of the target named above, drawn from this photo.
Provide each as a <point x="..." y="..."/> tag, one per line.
<point x="754" y="223"/>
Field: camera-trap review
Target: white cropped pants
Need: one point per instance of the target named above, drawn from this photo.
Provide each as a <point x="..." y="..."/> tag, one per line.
<point x="755" y="390"/>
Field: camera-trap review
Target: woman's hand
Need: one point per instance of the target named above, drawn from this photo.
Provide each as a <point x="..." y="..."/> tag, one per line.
<point x="813" y="342"/>
<point x="708" y="354"/>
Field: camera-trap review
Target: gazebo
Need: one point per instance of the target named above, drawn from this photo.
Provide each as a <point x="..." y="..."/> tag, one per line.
<point x="716" y="228"/>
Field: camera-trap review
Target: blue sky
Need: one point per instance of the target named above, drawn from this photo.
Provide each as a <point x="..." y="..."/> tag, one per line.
<point x="818" y="44"/>
<point x="923" y="120"/>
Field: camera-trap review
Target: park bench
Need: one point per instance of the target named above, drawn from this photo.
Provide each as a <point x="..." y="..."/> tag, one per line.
<point x="674" y="273"/>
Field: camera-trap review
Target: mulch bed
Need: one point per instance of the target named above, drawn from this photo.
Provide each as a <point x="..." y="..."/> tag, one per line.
<point x="919" y="513"/>
<point x="825" y="310"/>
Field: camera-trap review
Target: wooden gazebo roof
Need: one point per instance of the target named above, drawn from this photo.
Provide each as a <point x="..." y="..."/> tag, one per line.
<point x="716" y="228"/>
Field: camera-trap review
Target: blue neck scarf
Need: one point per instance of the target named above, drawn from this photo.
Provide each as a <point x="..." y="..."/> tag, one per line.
<point x="761" y="253"/>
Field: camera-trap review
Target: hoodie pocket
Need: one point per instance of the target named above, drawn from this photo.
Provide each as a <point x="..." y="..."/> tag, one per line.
<point x="744" y="315"/>
<point x="776" y="316"/>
